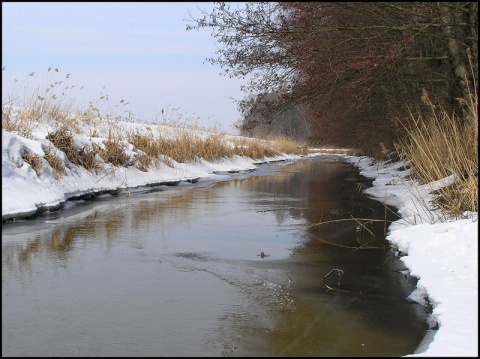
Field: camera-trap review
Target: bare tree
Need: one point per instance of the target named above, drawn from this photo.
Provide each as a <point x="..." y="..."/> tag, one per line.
<point x="366" y="60"/>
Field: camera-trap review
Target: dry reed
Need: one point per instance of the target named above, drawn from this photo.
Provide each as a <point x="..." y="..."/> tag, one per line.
<point x="176" y="140"/>
<point x="443" y="145"/>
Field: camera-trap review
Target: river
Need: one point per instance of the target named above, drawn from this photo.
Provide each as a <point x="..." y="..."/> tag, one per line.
<point x="267" y="263"/>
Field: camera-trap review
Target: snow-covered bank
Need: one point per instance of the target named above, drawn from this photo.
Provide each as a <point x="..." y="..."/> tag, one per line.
<point x="25" y="193"/>
<point x="442" y="253"/>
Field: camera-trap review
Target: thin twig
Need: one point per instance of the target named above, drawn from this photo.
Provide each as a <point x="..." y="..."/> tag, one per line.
<point x="349" y="247"/>
<point x="349" y="219"/>
<point x="340" y="275"/>
<point x="362" y="225"/>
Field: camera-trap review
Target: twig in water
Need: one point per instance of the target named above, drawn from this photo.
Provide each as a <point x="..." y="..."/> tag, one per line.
<point x="349" y="219"/>
<point x="363" y="225"/>
<point x="340" y="275"/>
<point x="384" y="248"/>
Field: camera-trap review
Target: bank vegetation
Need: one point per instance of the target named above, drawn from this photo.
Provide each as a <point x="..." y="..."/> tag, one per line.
<point x="392" y="80"/>
<point x="90" y="136"/>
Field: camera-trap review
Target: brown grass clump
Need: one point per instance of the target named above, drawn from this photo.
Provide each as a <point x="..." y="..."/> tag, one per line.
<point x="285" y="144"/>
<point x="114" y="152"/>
<point x="154" y="149"/>
<point x="442" y="145"/>
<point x="253" y="148"/>
<point x="34" y="160"/>
<point x="55" y="162"/>
<point x="148" y="145"/>
<point x="182" y="148"/>
<point x="143" y="162"/>
<point x="214" y="147"/>
<point x="87" y="158"/>
<point x="63" y="139"/>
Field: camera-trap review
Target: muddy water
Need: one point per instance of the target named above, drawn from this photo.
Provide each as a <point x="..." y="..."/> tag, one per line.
<point x="178" y="272"/>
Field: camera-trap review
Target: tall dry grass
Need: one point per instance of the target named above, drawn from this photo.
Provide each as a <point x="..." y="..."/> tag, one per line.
<point x="54" y="106"/>
<point x="442" y="145"/>
<point x="52" y="100"/>
<point x="284" y="144"/>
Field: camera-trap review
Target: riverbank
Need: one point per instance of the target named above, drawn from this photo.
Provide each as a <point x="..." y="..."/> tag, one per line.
<point x="25" y="193"/>
<point x="442" y="253"/>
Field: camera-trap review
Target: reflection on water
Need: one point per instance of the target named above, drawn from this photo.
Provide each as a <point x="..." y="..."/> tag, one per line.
<point x="179" y="273"/>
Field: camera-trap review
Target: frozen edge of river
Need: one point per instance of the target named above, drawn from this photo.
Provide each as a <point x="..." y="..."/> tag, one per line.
<point x="26" y="195"/>
<point x="442" y="253"/>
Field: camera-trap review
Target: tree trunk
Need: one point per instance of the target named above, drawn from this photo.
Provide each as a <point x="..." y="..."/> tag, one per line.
<point x="456" y="52"/>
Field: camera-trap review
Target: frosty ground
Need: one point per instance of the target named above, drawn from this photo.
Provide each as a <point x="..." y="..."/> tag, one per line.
<point x="441" y="252"/>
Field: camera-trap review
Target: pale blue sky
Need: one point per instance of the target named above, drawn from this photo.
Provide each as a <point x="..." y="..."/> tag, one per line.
<point x="140" y="52"/>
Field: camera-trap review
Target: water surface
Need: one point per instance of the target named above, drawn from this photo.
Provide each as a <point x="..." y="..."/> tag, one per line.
<point x="178" y="272"/>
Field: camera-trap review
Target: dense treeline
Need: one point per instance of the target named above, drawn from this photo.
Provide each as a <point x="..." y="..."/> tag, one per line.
<point x="345" y="73"/>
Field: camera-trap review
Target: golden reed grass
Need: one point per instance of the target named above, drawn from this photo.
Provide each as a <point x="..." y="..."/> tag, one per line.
<point x="443" y="145"/>
<point x="56" y="107"/>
